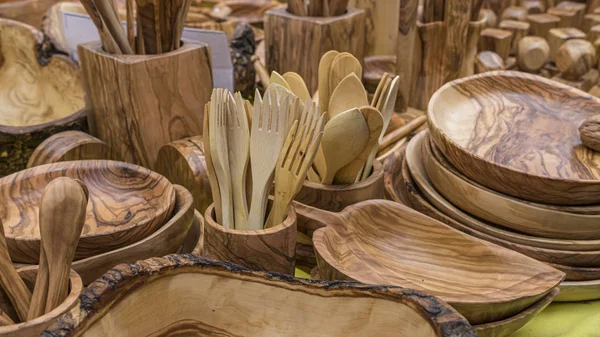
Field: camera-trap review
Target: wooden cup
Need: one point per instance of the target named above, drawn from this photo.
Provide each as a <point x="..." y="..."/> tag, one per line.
<point x="271" y="249"/>
<point x="36" y="326"/>
<point x="296" y="43"/>
<point x="141" y="102"/>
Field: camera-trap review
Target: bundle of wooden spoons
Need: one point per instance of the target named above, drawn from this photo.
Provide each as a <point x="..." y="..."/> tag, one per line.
<point x="154" y="28"/>
<point x="280" y="144"/>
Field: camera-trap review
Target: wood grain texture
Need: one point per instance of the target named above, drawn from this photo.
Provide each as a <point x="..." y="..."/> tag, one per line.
<point x="141" y="102"/>
<point x="473" y="33"/>
<point x="406" y="50"/>
<point x="589" y="132"/>
<point x="568" y="18"/>
<point x="540" y="24"/>
<point x="41" y="94"/>
<point x="496" y="40"/>
<point x="288" y="37"/>
<point x="38" y="325"/>
<point x="488" y="61"/>
<point x="520" y="29"/>
<point x="517" y="13"/>
<point x="558" y="36"/>
<point x="533" y="52"/>
<point x="575" y="58"/>
<point x="579" y="291"/>
<point x="29" y="12"/>
<point x="381" y="311"/>
<point x="11" y="282"/>
<point x="578" y="273"/>
<point x="382" y="18"/>
<point x="403" y="247"/>
<point x="183" y="163"/>
<point x="271" y="249"/>
<point x="490" y="137"/>
<point x="68" y="146"/>
<point x="127" y="203"/>
<point x="584" y="83"/>
<point x="166" y="240"/>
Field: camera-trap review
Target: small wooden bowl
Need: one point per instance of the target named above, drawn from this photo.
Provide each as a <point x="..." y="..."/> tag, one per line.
<point x="30" y="12"/>
<point x="36" y="326"/>
<point x="126" y="204"/>
<point x="193" y="296"/>
<point x="41" y="94"/>
<point x="375" y="66"/>
<point x="166" y="240"/>
<point x="573" y="291"/>
<point x="272" y="249"/>
<point x="518" y="134"/>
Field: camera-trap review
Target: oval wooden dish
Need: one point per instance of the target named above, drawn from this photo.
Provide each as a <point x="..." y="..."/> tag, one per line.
<point x="181" y="289"/>
<point x="40" y="94"/>
<point x="382" y="242"/>
<point x="518" y="134"/>
<point x="579" y="291"/>
<point x="126" y="204"/>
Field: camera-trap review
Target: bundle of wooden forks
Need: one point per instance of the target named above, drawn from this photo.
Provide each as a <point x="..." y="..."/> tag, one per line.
<point x="249" y="147"/>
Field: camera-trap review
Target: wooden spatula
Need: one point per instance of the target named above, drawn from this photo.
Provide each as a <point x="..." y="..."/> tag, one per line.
<point x="343" y="65"/>
<point x="380" y="86"/>
<point x="13" y="285"/>
<point x="323" y="78"/>
<point x="350" y="93"/>
<point x="297" y="85"/>
<point x="238" y="140"/>
<point x="62" y="216"/>
<point x="212" y="175"/>
<point x="344" y="138"/>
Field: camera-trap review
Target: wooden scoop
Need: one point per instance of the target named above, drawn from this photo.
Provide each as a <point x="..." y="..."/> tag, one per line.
<point x="350" y="93"/>
<point x="62" y="216"/>
<point x="297" y="85"/>
<point x="13" y="285"/>
<point x="278" y="79"/>
<point x="344" y="138"/>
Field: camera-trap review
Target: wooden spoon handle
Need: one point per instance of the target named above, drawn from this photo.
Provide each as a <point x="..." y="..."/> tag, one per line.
<point x="5" y="320"/>
<point x="402" y="132"/>
<point x="114" y="25"/>
<point x="107" y="40"/>
<point x="40" y="291"/>
<point x="13" y="285"/>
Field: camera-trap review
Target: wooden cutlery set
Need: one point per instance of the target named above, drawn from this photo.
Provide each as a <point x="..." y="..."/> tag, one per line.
<point x="154" y="27"/>
<point x="317" y="7"/>
<point x="250" y="147"/>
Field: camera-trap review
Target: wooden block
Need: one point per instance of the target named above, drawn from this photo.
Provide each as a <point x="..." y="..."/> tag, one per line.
<point x="496" y="40"/>
<point x="568" y="18"/>
<point x="533" y="53"/>
<point x="312" y="37"/>
<point x="381" y="25"/>
<point x="593" y="33"/>
<point x="585" y="82"/>
<point x="540" y="24"/>
<point x="516" y="13"/>
<point x="534" y="6"/>
<point x="578" y="7"/>
<point x="488" y="61"/>
<point x="141" y="102"/>
<point x="590" y="20"/>
<point x="557" y="36"/>
<point x="575" y="58"/>
<point x="511" y="63"/>
<point x="519" y="29"/>
<point x="491" y="19"/>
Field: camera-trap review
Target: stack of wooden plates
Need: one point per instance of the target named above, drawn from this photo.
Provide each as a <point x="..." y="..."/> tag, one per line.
<point x="504" y="162"/>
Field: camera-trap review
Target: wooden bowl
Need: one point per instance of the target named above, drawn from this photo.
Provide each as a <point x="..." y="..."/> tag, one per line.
<point x="414" y="160"/>
<point x="572" y="291"/>
<point x="375" y="67"/>
<point x="126" y="204"/>
<point x="382" y="242"/>
<point x="194" y="296"/>
<point x="271" y="249"/>
<point x="166" y="240"/>
<point x="36" y="326"/>
<point x="578" y="273"/>
<point x="41" y="94"/>
<point x="537" y="220"/>
<point x="30" y="12"/>
<point x="518" y="134"/>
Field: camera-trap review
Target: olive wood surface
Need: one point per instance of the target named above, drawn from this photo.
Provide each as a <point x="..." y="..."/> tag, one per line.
<point x="403" y="247"/>
<point x="522" y="143"/>
<point x="537" y="220"/>
<point x="126" y="204"/>
<point x="128" y="297"/>
<point x="579" y="291"/>
<point x="30" y="12"/>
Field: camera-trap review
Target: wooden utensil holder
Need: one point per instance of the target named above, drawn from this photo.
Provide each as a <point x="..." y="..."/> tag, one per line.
<point x="296" y="43"/>
<point x="271" y="249"/>
<point x="140" y="102"/>
<point x="36" y="326"/>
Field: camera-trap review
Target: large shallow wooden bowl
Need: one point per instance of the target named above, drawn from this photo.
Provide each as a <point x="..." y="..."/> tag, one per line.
<point x="383" y="242"/>
<point x="40" y="94"/>
<point x="126" y="204"/>
<point x="36" y="326"/>
<point x="518" y="134"/>
<point x="579" y="291"/>
<point x="187" y="295"/>
<point x="577" y="224"/>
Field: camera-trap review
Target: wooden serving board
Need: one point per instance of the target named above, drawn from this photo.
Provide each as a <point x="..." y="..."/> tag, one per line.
<point x="517" y="133"/>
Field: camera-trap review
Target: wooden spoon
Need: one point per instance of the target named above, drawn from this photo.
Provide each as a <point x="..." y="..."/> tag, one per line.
<point x="344" y="138"/>
<point x="13" y="285"/>
<point x="380" y="88"/>
<point x="349" y="173"/>
<point x="343" y="65"/>
<point x="278" y="79"/>
<point x="210" y="168"/>
<point x="238" y="140"/>
<point x="323" y="78"/>
<point x="350" y="93"/>
<point x="62" y="216"/>
<point x="105" y="35"/>
<point x="297" y="85"/>
<point x="114" y="25"/>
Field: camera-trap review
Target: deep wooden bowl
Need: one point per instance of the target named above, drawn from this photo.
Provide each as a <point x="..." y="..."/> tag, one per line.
<point x="579" y="291"/>
<point x="578" y="224"/>
<point x="166" y="240"/>
<point x="126" y="204"/>
<point x="383" y="242"/>
<point x="187" y="295"/>
<point x="36" y="326"/>
<point x="517" y="133"/>
<point x="40" y="94"/>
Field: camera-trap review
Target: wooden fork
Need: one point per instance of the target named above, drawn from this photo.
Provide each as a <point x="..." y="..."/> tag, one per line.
<point x="238" y="140"/>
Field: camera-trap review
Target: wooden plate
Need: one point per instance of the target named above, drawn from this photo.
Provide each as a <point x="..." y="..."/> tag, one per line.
<point x="522" y="216"/>
<point x="126" y="204"/>
<point x="177" y="296"/>
<point x="518" y="134"/>
<point x="382" y="242"/>
<point x="579" y="291"/>
<point x="417" y="170"/>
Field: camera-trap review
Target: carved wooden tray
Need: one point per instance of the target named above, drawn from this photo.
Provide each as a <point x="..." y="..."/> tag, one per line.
<point x="518" y="134"/>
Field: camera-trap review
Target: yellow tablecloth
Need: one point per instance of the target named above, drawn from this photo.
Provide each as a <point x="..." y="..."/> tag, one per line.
<point x="557" y="320"/>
